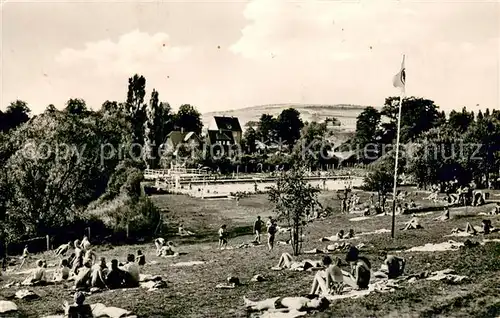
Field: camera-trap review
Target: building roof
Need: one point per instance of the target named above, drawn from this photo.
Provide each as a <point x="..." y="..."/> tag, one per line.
<point x="177" y="137"/>
<point x="227" y="123"/>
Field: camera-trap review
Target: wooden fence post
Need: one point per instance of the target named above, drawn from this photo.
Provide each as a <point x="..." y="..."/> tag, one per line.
<point x="48" y="242"/>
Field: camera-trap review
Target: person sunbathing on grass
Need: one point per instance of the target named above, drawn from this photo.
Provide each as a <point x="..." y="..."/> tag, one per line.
<point x="339" y="246"/>
<point x="83" y="277"/>
<point x="116" y="276"/>
<point x="63" y="249"/>
<point x="98" y="274"/>
<point x="159" y="243"/>
<point x="132" y="272"/>
<point x="286" y="262"/>
<point x="285" y="304"/>
<point x="468" y="229"/>
<point x="329" y="281"/>
<point x="445" y="216"/>
<point x="337" y="237"/>
<point x="141" y="258"/>
<point x="413" y="224"/>
<point x="393" y="266"/>
<point x="90" y="256"/>
<point x="78" y="309"/>
<point x="184" y="232"/>
<point x="168" y="250"/>
<point x="63" y="271"/>
<point x="496" y="209"/>
<point x="361" y="269"/>
<point x="38" y="276"/>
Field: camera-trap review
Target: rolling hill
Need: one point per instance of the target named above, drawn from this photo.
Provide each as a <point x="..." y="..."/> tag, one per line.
<point x="346" y="114"/>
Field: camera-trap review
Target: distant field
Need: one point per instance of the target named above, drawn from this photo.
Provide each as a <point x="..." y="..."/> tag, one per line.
<point x="191" y="291"/>
<point x="346" y="114"/>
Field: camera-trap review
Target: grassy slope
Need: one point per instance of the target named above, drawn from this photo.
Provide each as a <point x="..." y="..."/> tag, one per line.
<point x="191" y="291"/>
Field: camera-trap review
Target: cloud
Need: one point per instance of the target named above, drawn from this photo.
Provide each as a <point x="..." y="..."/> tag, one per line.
<point x="132" y="52"/>
<point x="348" y="51"/>
<point x="334" y="30"/>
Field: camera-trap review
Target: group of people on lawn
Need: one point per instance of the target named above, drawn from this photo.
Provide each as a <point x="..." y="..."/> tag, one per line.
<point x="87" y="271"/>
<point x="258" y="228"/>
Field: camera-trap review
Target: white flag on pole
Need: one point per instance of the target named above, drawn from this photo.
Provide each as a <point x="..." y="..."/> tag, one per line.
<point x="399" y="79"/>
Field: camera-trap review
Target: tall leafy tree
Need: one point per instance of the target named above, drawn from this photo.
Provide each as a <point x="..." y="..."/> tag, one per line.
<point x="460" y="121"/>
<point x="59" y="166"/>
<point x="367" y="124"/>
<point x="289" y="125"/>
<point x="76" y="106"/>
<point x="417" y="116"/>
<point x="189" y="119"/>
<point x="294" y="199"/>
<point x="110" y="107"/>
<point x="312" y="147"/>
<point x="17" y="113"/>
<point x="267" y="128"/>
<point x="249" y="139"/>
<point x="158" y="125"/>
<point x="135" y="108"/>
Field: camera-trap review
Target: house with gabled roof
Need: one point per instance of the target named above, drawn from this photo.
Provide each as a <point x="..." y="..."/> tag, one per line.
<point x="176" y="138"/>
<point x="225" y="131"/>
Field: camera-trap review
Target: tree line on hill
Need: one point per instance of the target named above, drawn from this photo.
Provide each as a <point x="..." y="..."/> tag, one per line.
<point x="463" y="146"/>
<point x="75" y="167"/>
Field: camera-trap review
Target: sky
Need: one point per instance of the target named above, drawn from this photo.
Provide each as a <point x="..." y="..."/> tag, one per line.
<point x="221" y="55"/>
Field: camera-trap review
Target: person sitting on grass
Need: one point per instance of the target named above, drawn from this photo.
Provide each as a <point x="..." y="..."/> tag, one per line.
<point x="184" y="232"/>
<point x="285" y="304"/>
<point x="361" y="269"/>
<point x="330" y="280"/>
<point x="168" y="250"/>
<point x="78" y="309"/>
<point x="286" y="262"/>
<point x="63" y="271"/>
<point x="223" y="237"/>
<point x="132" y="271"/>
<point x="496" y="209"/>
<point x="63" y="249"/>
<point x="393" y="266"/>
<point x="90" y="256"/>
<point x="413" y="224"/>
<point x="38" y="276"/>
<point x="445" y="216"/>
<point x="159" y="243"/>
<point x="116" y="276"/>
<point x="487" y="227"/>
<point x="412" y="204"/>
<point x="340" y="235"/>
<point x="141" y="258"/>
<point x="350" y="234"/>
<point x="98" y="274"/>
<point x="83" y="277"/>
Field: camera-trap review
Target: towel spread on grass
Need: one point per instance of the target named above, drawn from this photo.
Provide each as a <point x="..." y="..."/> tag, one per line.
<point x="7" y="307"/>
<point x="439" y="247"/>
<point x="190" y="263"/>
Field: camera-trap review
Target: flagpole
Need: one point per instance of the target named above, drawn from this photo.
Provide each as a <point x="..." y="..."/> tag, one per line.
<point x="400" y="106"/>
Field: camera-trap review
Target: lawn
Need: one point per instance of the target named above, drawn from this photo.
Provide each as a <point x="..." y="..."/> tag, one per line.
<point x="191" y="291"/>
